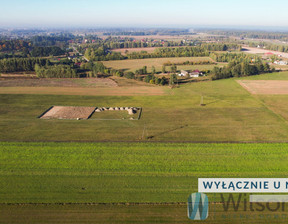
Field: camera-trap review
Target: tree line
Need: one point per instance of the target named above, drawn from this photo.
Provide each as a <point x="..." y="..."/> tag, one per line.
<point x="56" y="71"/>
<point x="238" y="68"/>
<point x="195" y="51"/>
<point x="21" y="64"/>
<point x="204" y="62"/>
<point x="270" y="46"/>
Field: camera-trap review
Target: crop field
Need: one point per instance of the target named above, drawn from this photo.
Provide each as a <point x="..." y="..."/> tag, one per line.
<point x="122" y="173"/>
<point x="134" y="64"/>
<point x="57" y="170"/>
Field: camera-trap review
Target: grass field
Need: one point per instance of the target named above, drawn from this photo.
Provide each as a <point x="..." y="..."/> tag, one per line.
<point x="80" y="91"/>
<point x="134" y="64"/>
<point x="230" y="114"/>
<point x="123" y="172"/>
<point x="126" y="172"/>
<point x="173" y="213"/>
<point x="44" y="171"/>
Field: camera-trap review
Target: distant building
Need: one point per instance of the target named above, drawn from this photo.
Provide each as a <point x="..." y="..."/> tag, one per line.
<point x="183" y="73"/>
<point x="280" y="62"/>
<point x="193" y="74"/>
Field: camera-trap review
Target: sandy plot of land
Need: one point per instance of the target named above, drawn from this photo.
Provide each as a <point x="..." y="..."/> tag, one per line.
<point x="148" y="49"/>
<point x="272" y="87"/>
<point x="60" y="112"/>
<point x="253" y="50"/>
<point x="55" y="82"/>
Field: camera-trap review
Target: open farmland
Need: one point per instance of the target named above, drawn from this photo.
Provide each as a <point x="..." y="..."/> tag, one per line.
<point x="129" y="213"/>
<point x="81" y="91"/>
<point x="134" y="64"/>
<point x="130" y="50"/>
<point x="253" y="50"/>
<point x="112" y="173"/>
<point x="56" y="82"/>
<point x="231" y="114"/>
<point x="265" y="86"/>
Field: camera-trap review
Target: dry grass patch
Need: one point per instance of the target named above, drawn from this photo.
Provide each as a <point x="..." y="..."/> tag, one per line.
<point x="273" y="87"/>
<point x="104" y="91"/>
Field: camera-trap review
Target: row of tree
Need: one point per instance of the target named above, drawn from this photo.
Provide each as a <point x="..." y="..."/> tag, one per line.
<point x="269" y="46"/>
<point x="56" y="71"/>
<point x="127" y="42"/>
<point x="204" y="62"/>
<point x="21" y="64"/>
<point x="251" y="34"/>
<point x="102" y="54"/>
<point x="238" y="69"/>
<point x="196" y="51"/>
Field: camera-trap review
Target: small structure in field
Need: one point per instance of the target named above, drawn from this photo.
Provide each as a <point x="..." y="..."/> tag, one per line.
<point x="194" y="74"/>
<point x="183" y="73"/>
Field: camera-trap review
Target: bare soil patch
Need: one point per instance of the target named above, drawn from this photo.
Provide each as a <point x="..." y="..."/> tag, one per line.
<point x="148" y="49"/>
<point x="273" y="87"/>
<point x="252" y="50"/>
<point x="61" y="112"/>
<point x="53" y="82"/>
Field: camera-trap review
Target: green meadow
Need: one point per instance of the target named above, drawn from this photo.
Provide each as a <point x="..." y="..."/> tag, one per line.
<point x="127" y="172"/>
<point x="230" y="114"/>
<point x="63" y="165"/>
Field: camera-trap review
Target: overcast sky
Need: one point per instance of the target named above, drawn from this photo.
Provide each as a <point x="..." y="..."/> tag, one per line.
<point x="114" y="13"/>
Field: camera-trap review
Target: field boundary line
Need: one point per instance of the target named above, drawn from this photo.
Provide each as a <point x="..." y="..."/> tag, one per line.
<point x="256" y="97"/>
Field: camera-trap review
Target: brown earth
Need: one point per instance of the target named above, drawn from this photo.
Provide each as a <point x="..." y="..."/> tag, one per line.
<point x="253" y="50"/>
<point x="273" y="87"/>
<point x="84" y="91"/>
<point x="54" y="82"/>
<point x="148" y="49"/>
<point x="60" y="112"/>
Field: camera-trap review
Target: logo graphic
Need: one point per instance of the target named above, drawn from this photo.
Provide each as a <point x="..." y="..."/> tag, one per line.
<point x="198" y="206"/>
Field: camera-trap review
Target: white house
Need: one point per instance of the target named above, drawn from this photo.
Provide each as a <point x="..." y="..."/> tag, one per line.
<point x="194" y="74"/>
<point x="281" y="62"/>
<point x="183" y="73"/>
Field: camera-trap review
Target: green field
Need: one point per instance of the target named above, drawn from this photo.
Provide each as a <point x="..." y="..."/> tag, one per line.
<point x="122" y="173"/>
<point x="126" y="172"/>
<point x="143" y="213"/>
<point x="230" y="114"/>
<point x="134" y="64"/>
<point x="156" y="159"/>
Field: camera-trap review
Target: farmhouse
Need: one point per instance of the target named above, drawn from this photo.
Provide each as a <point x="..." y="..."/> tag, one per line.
<point x="280" y="62"/>
<point x="194" y="74"/>
<point x="183" y="73"/>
